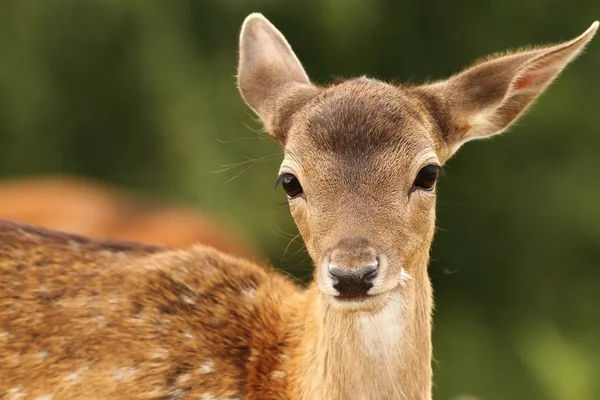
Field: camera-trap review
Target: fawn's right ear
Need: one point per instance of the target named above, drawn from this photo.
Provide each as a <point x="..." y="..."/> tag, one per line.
<point x="270" y="78"/>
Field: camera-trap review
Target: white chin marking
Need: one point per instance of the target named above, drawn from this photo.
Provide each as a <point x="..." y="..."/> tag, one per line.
<point x="366" y="304"/>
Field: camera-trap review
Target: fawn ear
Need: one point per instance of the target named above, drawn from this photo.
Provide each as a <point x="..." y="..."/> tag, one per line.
<point x="487" y="98"/>
<point x="270" y="78"/>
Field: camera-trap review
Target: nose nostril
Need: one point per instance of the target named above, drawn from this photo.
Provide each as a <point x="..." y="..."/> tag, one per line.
<point x="370" y="274"/>
<point x="334" y="275"/>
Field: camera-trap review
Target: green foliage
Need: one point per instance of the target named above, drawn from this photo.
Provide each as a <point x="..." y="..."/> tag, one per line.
<point x="142" y="93"/>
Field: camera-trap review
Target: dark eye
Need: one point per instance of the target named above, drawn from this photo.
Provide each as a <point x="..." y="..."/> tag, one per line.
<point x="426" y="177"/>
<point x="291" y="185"/>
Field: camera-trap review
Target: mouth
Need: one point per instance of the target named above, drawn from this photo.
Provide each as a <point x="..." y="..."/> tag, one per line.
<point x="345" y="298"/>
<point x="362" y="303"/>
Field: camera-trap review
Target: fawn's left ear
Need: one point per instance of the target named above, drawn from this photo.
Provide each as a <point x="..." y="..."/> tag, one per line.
<point x="487" y="98"/>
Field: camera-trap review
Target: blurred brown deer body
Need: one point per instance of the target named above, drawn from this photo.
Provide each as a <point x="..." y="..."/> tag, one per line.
<point x="87" y="319"/>
<point x="90" y="208"/>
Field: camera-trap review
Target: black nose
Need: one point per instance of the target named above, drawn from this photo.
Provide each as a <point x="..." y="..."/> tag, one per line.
<point x="352" y="284"/>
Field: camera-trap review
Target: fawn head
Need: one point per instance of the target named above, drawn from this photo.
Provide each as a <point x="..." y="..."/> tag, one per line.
<point x="361" y="157"/>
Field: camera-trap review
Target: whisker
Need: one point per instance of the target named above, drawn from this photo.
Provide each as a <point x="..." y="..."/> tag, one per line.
<point x="300" y="262"/>
<point x="239" y="173"/>
<point x="261" y="134"/>
<point x="280" y="232"/>
<point x="294" y="277"/>
<point x="238" y="139"/>
<point x="227" y="167"/>
<point x="288" y="246"/>
<point x="303" y="247"/>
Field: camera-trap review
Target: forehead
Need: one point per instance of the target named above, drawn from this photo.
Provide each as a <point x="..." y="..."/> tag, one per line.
<point x="361" y="120"/>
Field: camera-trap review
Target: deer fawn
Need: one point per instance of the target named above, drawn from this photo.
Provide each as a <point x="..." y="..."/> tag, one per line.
<point x="82" y="318"/>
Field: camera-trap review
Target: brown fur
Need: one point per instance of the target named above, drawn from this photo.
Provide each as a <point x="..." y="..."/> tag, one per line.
<point x="81" y="320"/>
<point x="91" y="208"/>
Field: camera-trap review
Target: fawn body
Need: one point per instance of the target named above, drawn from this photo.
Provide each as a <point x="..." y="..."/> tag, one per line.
<point x="84" y="318"/>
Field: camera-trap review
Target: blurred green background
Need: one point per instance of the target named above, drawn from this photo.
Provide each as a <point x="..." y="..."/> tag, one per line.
<point x="142" y="94"/>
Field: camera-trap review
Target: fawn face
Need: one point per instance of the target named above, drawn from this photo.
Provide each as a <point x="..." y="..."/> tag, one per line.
<point x="359" y="169"/>
<point x="361" y="158"/>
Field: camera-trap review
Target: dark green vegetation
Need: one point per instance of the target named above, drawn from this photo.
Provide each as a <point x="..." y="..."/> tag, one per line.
<point x="142" y="93"/>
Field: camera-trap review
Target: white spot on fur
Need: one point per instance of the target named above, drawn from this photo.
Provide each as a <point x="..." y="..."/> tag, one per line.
<point x="253" y="355"/>
<point x="189" y="335"/>
<point x="42" y="355"/>
<point x="277" y="374"/>
<point x="160" y="354"/>
<point x="139" y="318"/>
<point x="179" y="272"/>
<point x="124" y="374"/>
<point x="207" y="367"/>
<point x="73" y="377"/>
<point x="73" y="244"/>
<point x="45" y="397"/>
<point x="207" y="396"/>
<point x="249" y="294"/>
<point x="15" y="393"/>
<point x="165" y="321"/>
<point x="76" y="376"/>
<point x="5" y="336"/>
<point x="105" y="253"/>
<point x="183" y="379"/>
<point x="187" y="299"/>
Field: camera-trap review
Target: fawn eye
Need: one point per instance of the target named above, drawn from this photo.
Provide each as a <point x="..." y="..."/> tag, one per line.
<point x="291" y="185"/>
<point x="426" y="177"/>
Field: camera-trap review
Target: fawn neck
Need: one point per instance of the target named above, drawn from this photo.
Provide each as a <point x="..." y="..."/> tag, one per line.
<point x="378" y="354"/>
